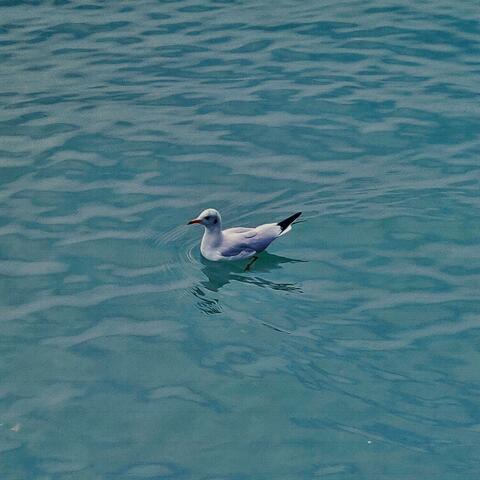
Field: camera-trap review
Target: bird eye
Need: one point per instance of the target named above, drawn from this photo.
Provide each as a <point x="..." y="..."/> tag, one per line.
<point x="207" y="217"/>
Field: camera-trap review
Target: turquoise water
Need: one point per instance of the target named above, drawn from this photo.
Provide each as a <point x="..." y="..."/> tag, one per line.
<point x="350" y="351"/>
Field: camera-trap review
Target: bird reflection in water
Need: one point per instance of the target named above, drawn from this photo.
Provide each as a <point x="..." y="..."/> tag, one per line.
<point x="219" y="274"/>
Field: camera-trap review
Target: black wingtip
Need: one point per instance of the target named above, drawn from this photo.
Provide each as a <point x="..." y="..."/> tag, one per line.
<point x="288" y="221"/>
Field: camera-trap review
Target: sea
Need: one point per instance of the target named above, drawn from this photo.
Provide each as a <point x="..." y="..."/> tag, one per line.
<point x="350" y="350"/>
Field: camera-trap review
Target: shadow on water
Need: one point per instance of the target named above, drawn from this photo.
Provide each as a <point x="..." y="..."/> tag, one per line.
<point x="220" y="274"/>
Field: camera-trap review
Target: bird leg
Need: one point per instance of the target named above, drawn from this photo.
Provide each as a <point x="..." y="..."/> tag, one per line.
<point x="250" y="263"/>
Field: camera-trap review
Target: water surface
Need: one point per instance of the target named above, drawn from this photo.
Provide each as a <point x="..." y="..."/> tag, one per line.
<point x="351" y="349"/>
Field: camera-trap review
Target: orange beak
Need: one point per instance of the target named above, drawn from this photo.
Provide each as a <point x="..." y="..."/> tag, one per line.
<point x="196" y="220"/>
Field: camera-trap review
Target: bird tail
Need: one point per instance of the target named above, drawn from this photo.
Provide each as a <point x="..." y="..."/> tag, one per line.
<point x="285" y="225"/>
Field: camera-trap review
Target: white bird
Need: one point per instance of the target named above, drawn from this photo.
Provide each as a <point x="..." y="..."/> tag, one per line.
<point x="237" y="243"/>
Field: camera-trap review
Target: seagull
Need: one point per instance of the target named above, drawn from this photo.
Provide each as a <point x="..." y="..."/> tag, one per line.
<point x="237" y="243"/>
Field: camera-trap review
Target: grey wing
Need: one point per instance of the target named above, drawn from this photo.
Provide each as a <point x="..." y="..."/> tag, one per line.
<point x="249" y="239"/>
<point x="245" y="231"/>
<point x="238" y="252"/>
<point x="237" y="243"/>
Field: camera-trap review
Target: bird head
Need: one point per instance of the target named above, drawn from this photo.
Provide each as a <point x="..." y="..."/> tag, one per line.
<point x="208" y="218"/>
